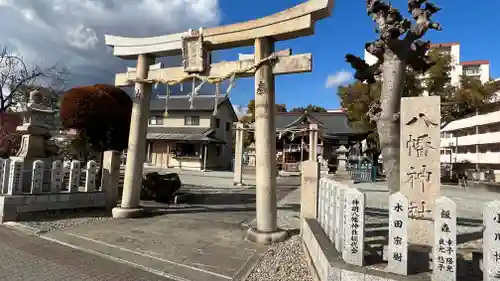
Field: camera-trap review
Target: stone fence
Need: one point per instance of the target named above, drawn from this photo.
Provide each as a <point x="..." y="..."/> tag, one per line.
<point x="335" y="239"/>
<point x="46" y="190"/>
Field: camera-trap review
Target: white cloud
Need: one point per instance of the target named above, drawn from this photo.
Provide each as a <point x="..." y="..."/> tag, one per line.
<point x="241" y="110"/>
<point x="71" y="32"/>
<point x="82" y="38"/>
<point x="337" y="79"/>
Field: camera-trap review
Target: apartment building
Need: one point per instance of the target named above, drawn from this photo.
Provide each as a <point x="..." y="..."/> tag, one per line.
<point x="474" y="142"/>
<point x="477" y="68"/>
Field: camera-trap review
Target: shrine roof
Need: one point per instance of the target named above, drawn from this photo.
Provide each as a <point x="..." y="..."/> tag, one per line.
<point x="331" y="123"/>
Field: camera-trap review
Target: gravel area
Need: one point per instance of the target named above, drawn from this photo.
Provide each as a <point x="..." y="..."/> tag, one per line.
<point x="64" y="219"/>
<point x="282" y="262"/>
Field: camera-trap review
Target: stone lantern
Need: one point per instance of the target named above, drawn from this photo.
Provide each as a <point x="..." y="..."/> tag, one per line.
<point x="38" y="123"/>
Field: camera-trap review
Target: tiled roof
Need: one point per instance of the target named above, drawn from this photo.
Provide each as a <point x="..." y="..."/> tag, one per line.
<point x="181" y="103"/>
<point x="333" y="122"/>
<point x="181" y="134"/>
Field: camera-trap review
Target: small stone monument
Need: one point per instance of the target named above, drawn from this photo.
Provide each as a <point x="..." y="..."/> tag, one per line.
<point x="339" y="217"/>
<point x="398" y="234"/>
<point x="445" y="240"/>
<point x="38" y="122"/>
<point x="354" y="227"/>
<point x="491" y="241"/>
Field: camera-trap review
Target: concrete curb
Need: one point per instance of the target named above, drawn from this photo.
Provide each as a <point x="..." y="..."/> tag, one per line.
<point x="329" y="266"/>
<point x="24" y="228"/>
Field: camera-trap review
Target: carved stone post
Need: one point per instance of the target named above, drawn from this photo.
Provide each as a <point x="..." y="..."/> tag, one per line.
<point x="238" y="155"/>
<point x="313" y="142"/>
<point x="267" y="231"/>
<point x="309" y="190"/>
<point x="136" y="144"/>
<point x="110" y="177"/>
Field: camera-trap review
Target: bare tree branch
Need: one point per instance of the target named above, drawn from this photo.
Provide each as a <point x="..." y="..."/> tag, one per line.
<point x="422" y="16"/>
<point x="417" y="57"/>
<point x="374" y="112"/>
<point x="364" y="72"/>
<point x="16" y="78"/>
<point x="376" y="48"/>
<point x="391" y="24"/>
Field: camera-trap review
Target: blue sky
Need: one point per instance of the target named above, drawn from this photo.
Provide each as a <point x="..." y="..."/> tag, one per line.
<point x="472" y="23"/>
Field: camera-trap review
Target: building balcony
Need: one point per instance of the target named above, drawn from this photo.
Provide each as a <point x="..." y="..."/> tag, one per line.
<point x="486" y="138"/>
<point x="481" y="158"/>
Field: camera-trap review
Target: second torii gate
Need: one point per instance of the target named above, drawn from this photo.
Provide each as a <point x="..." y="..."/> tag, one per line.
<point x="195" y="46"/>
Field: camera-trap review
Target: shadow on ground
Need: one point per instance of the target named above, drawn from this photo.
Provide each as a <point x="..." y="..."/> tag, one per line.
<point x="196" y="200"/>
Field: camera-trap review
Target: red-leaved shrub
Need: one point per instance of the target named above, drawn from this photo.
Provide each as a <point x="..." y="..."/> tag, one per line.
<point x="101" y="113"/>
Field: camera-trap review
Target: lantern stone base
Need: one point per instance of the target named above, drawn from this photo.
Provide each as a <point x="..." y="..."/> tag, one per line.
<point x="266" y="238"/>
<point x="128" y="213"/>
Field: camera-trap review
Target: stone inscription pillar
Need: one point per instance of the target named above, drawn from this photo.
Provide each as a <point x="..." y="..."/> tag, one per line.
<point x="313" y="142"/>
<point x="238" y="155"/>
<point x="136" y="144"/>
<point x="265" y="146"/>
<point x="420" y="163"/>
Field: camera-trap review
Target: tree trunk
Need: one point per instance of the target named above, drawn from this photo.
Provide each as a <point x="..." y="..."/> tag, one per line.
<point x="2" y="103"/>
<point x="388" y="128"/>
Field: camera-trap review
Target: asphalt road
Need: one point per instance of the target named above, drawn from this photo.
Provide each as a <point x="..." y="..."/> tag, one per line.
<point x="27" y="257"/>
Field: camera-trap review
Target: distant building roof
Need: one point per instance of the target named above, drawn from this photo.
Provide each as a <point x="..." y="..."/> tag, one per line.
<point x="441" y="45"/>
<point x="181" y="103"/>
<point x="181" y="134"/>
<point x="331" y="123"/>
<point x="475" y="62"/>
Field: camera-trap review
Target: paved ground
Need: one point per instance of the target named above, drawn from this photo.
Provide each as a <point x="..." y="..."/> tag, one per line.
<point x="470" y="202"/>
<point x="208" y="178"/>
<point x="199" y="241"/>
<point x="27" y="257"/>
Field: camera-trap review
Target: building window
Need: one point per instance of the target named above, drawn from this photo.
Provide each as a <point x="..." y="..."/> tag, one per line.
<point x="218" y="150"/>
<point x="156" y="120"/>
<point x="186" y="150"/>
<point x="217" y="123"/>
<point x="192" y="120"/>
<point x="228" y="126"/>
<point x="472" y="70"/>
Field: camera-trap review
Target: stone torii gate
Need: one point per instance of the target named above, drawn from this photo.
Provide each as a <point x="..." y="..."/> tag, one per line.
<point x="195" y="46"/>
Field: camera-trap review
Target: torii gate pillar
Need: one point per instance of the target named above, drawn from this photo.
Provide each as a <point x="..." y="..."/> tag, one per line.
<point x="266" y="231"/>
<point x="130" y="204"/>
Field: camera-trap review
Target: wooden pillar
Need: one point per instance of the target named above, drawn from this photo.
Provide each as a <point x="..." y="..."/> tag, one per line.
<point x="205" y="153"/>
<point x="136" y="144"/>
<point x="266" y="231"/>
<point x="284" y="155"/>
<point x="302" y="148"/>
<point x="148" y="155"/>
<point x="238" y="156"/>
<point x="313" y="142"/>
<point x="167" y="162"/>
